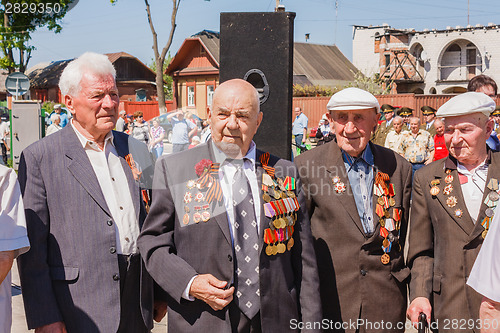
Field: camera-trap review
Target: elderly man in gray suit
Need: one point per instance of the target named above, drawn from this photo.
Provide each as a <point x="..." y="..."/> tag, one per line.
<point x="228" y="237"/>
<point x="81" y="189"/>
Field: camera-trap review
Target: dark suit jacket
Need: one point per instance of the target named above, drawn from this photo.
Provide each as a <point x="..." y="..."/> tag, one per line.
<point x="175" y="252"/>
<point x="353" y="281"/>
<point x="70" y="273"/>
<point x="442" y="246"/>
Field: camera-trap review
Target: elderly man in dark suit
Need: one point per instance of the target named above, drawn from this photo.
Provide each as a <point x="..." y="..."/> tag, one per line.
<point x="358" y="197"/>
<point x="84" y="213"/>
<point x="227" y="236"/>
<point x="454" y="200"/>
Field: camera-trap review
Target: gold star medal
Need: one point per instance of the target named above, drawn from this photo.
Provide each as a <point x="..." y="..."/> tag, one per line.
<point x="451" y="201"/>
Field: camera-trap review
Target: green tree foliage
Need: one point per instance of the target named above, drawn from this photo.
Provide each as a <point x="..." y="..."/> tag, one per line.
<point x="313" y="91"/>
<point x="18" y="20"/>
<point x="168" y="86"/>
<point x="374" y="84"/>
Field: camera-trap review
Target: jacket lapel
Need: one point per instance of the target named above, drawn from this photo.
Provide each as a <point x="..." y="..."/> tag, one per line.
<point x="79" y="166"/>
<point x="264" y="220"/>
<point x="337" y="168"/>
<point x="464" y="221"/>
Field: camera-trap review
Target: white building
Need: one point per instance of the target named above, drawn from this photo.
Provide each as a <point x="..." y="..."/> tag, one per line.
<point x="428" y="61"/>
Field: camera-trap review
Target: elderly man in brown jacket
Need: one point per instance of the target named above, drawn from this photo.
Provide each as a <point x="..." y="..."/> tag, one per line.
<point x="358" y="197"/>
<point x="454" y="200"/>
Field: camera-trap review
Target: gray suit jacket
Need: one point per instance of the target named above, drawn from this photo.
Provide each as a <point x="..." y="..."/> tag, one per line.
<point x="353" y="281"/>
<point x="443" y="246"/>
<point x="71" y="272"/>
<point x="175" y="252"/>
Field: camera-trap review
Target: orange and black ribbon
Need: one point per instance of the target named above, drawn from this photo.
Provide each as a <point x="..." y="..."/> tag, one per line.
<point x="264" y="160"/>
<point x="212" y="176"/>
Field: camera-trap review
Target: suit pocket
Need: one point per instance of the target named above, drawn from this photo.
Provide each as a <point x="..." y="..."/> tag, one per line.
<point x="436" y="283"/>
<point x="402" y="274"/>
<point x="63" y="273"/>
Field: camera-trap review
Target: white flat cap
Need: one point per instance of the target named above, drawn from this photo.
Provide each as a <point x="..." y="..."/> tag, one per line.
<point x="57" y="106"/>
<point x="467" y="103"/>
<point x="353" y="99"/>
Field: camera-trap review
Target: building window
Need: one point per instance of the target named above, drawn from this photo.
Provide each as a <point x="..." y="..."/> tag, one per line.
<point x="387" y="60"/>
<point x="140" y="95"/>
<point x="190" y="96"/>
<point x="210" y="94"/>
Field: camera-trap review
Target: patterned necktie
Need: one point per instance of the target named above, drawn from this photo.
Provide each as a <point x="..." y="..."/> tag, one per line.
<point x="246" y="246"/>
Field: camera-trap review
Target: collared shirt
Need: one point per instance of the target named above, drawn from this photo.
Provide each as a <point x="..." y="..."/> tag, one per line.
<point x="428" y="125"/>
<point x="360" y="174"/>
<point x="299" y="124"/>
<point x="13" y="236"/>
<point x="227" y="170"/>
<point x="416" y="149"/>
<point x="114" y="186"/>
<point x="473" y="189"/>
<point x="393" y="140"/>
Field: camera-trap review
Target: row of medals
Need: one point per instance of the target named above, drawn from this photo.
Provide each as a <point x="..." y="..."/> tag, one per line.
<point x="389" y="237"/>
<point x="491" y="201"/>
<point x="276" y="190"/>
<point x="202" y="212"/>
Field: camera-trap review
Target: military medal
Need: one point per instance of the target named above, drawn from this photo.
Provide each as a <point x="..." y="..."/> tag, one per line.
<point x="198" y="197"/>
<point x="385" y="259"/>
<point x="484" y="233"/>
<point x="186" y="209"/>
<point x="188" y="197"/>
<point x="290" y="194"/>
<point x="336" y="179"/>
<point x="380" y="201"/>
<point x="493" y="184"/>
<point x="451" y="201"/>
<point x="458" y="213"/>
<point x="392" y="202"/>
<point x="448" y="189"/>
<point x="449" y="178"/>
<point x="489" y="212"/>
<point x="190" y="184"/>
<point x="340" y="187"/>
<point x="266" y="197"/>
<point x="185" y="218"/>
<point x="196" y="217"/>
<point x="493" y="196"/>
<point x="434" y="191"/>
<point x="290" y="244"/>
<point x="385" y="243"/>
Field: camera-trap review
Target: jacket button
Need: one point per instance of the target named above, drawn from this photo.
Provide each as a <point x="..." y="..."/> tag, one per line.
<point x="116" y="277"/>
<point x="229" y="258"/>
<point x="363" y="272"/>
<point x="109" y="222"/>
<point x="112" y="250"/>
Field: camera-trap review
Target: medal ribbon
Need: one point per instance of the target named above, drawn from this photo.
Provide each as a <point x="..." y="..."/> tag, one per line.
<point x="264" y="160"/>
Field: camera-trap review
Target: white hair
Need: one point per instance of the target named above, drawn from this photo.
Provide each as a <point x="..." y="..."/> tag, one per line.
<point x="54" y="117"/>
<point x="89" y="62"/>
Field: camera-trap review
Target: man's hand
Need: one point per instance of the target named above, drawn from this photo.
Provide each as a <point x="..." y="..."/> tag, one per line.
<point x="419" y="304"/>
<point x="210" y="290"/>
<point x="58" y="327"/>
<point x="160" y="310"/>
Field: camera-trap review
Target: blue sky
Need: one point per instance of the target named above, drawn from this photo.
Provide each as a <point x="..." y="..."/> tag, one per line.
<point x="96" y="25"/>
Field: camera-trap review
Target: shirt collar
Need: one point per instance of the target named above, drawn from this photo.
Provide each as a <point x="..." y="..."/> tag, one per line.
<point x="84" y="141"/>
<point x="221" y="158"/>
<point x="463" y="170"/>
<point x="452" y="163"/>
<point x="366" y="156"/>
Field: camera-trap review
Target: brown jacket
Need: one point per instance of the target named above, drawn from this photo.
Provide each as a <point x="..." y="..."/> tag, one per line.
<point x="381" y="133"/>
<point x="443" y="246"/>
<point x="353" y="281"/>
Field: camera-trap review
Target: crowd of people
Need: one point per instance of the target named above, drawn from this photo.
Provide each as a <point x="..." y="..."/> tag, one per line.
<point x="234" y="239"/>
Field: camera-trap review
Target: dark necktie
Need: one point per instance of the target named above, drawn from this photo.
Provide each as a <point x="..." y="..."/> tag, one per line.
<point x="246" y="246"/>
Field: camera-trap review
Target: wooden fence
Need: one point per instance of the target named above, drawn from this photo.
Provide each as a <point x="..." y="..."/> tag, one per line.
<point x="315" y="107"/>
<point x="149" y="109"/>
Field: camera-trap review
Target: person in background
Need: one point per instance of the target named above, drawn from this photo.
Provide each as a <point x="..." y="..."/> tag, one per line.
<point x="417" y="145"/>
<point x="129" y="124"/>
<point x="4" y="133"/>
<point x="440" y="150"/>
<point x="157" y="136"/>
<point x="429" y="116"/>
<point x="140" y="128"/>
<point x="120" y="123"/>
<point x="182" y="130"/>
<point x="13" y="239"/>
<point x="194" y="142"/>
<point x="384" y="127"/>
<point x="299" y="128"/>
<point x="206" y="133"/>
<point x="54" y="127"/>
<point x="324" y="131"/>
<point x="453" y="201"/>
<point x="64" y="116"/>
<point x="406" y="113"/>
<point x="393" y="139"/>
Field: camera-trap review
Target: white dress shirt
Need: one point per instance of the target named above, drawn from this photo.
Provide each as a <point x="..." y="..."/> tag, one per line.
<point x="474" y="188"/>
<point x="114" y="186"/>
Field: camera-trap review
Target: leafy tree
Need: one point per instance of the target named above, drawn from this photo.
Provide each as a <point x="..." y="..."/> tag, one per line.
<point x="18" y="20"/>
<point x="168" y="86"/>
<point x="374" y="84"/>
<point x="159" y="57"/>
